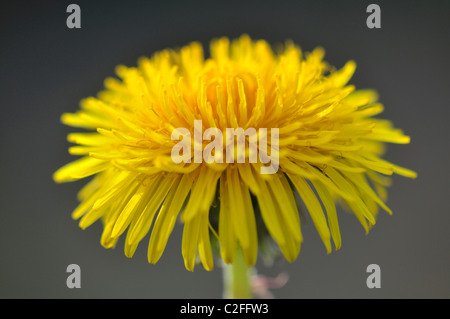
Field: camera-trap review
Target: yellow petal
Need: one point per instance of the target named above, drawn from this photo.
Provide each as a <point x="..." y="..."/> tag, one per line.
<point x="314" y="209"/>
<point x="167" y="217"/>
<point x="227" y="236"/>
<point x="78" y="169"/>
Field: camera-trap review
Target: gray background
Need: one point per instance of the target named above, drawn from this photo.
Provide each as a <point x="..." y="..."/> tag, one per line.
<point x="46" y="68"/>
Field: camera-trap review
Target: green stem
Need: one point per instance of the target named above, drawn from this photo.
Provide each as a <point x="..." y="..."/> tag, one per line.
<point x="236" y="279"/>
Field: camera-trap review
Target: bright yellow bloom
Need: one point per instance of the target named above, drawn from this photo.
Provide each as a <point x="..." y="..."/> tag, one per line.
<point x="329" y="151"/>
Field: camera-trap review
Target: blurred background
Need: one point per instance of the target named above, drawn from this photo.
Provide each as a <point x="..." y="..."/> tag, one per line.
<point x="46" y="69"/>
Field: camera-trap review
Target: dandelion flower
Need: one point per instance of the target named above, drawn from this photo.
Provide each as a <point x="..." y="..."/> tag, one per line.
<point x="329" y="151"/>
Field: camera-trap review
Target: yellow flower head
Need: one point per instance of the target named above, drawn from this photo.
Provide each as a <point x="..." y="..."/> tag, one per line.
<point x="328" y="148"/>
